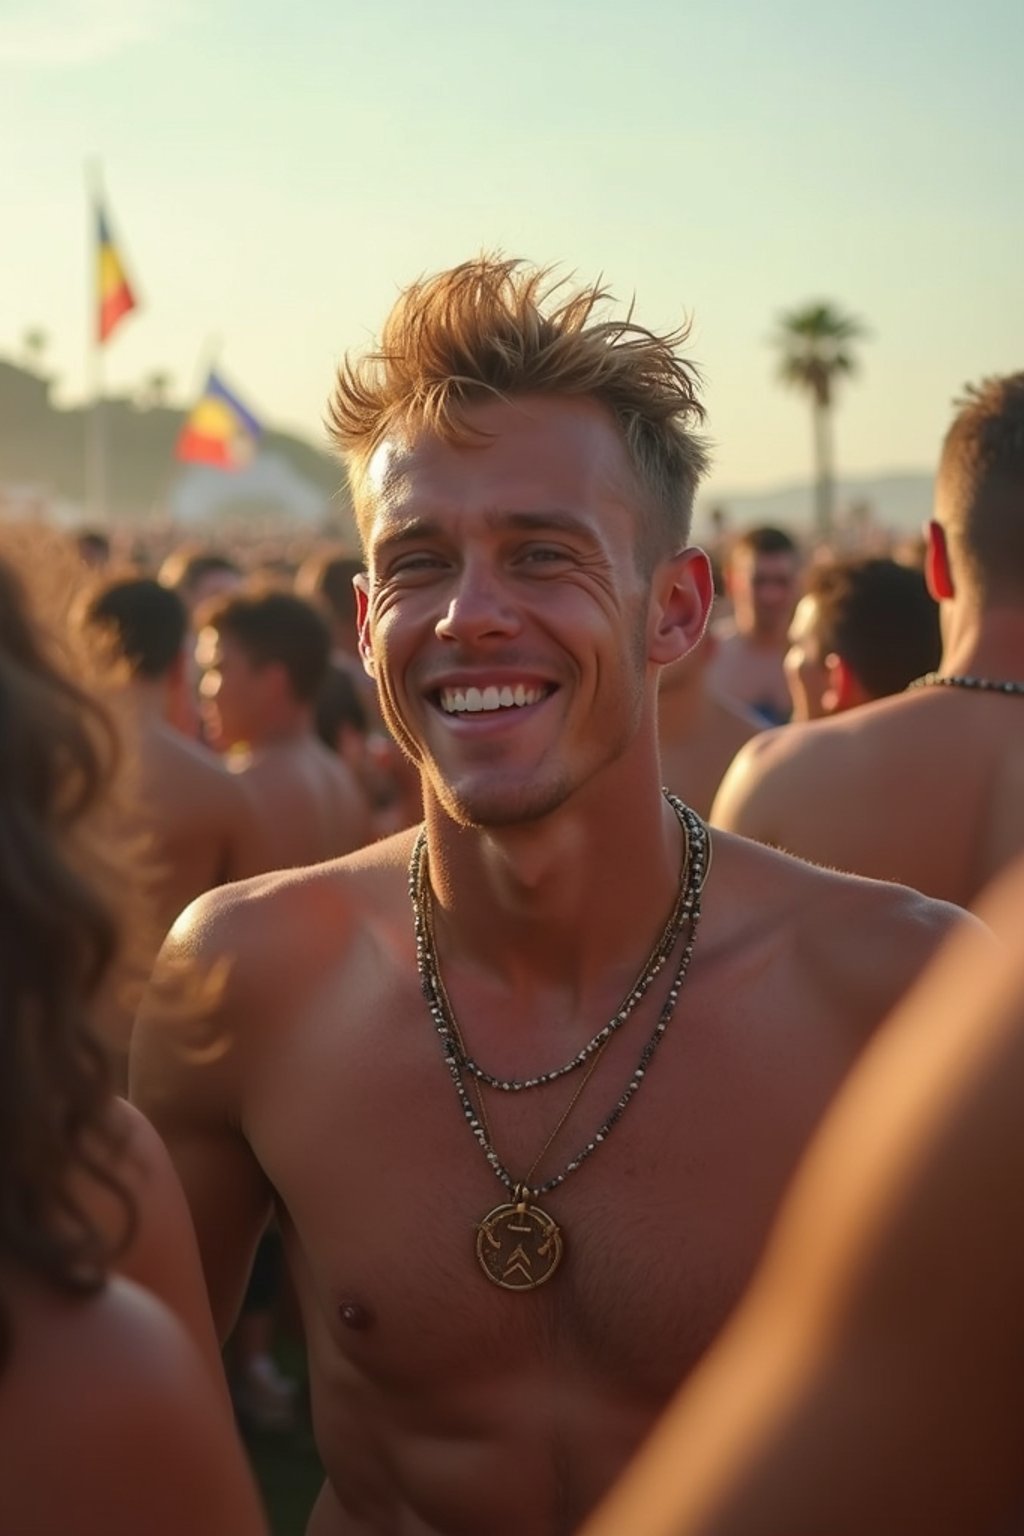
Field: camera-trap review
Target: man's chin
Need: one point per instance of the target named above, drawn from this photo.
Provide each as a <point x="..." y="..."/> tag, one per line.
<point x="492" y="805"/>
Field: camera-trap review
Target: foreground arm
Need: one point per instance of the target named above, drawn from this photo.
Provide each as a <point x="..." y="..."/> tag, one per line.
<point x="161" y="1253"/>
<point x="188" y="1067"/>
<point x="874" y="1378"/>
<point x="111" y="1427"/>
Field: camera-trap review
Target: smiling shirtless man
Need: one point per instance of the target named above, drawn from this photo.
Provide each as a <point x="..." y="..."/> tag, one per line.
<point x="502" y="1287"/>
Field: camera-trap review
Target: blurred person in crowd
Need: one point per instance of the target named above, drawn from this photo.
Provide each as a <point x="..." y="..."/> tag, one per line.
<point x="504" y="1275"/>
<point x="699" y="731"/>
<point x="873" y="1379"/>
<point x="925" y="787"/>
<point x="199" y="573"/>
<point x="762" y="582"/>
<point x="199" y="818"/>
<point x="391" y="785"/>
<point x="113" y="1418"/>
<point x="264" y="655"/>
<point x="863" y="629"/>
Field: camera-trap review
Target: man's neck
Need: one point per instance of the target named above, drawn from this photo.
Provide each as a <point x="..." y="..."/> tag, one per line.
<point x="559" y="895"/>
<point x="987" y="643"/>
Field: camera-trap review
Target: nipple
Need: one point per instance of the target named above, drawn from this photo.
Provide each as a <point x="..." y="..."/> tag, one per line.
<point x="355" y="1316"/>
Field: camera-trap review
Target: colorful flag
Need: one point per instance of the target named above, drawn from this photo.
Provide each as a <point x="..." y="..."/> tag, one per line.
<point x="219" y="430"/>
<point x="114" y="296"/>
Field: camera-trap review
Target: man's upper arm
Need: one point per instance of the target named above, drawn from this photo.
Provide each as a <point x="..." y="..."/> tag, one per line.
<point x="186" y="1075"/>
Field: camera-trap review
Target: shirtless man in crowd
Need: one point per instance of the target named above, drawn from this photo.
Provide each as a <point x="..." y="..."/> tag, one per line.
<point x="200" y="819"/>
<point x="196" y="823"/>
<point x="264" y="655"/>
<point x="926" y="787"/>
<point x="762" y="580"/>
<point x="864" y="629"/>
<point x="699" y="731"/>
<point x="502" y="1286"/>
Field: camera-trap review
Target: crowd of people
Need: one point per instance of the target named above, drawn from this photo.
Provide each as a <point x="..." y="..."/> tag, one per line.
<point x="535" y="920"/>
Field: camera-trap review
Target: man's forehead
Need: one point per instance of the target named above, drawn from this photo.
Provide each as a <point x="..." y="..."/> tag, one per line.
<point x="530" y="443"/>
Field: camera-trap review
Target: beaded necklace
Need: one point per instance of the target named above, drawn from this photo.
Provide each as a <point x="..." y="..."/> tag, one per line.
<point x="519" y="1245"/>
<point x="981" y="684"/>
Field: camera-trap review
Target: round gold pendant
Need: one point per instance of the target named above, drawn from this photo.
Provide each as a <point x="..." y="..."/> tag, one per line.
<point x="519" y="1246"/>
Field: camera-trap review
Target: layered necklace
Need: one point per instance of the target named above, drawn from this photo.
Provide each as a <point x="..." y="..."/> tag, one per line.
<point x="980" y="684"/>
<point x="518" y="1245"/>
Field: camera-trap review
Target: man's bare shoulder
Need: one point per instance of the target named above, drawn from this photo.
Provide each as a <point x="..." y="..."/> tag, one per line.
<point x="858" y="941"/>
<point x="745" y="801"/>
<point x="773" y="773"/>
<point x="260" y="918"/>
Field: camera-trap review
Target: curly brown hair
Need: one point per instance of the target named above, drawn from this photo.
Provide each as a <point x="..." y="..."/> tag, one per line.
<point x="59" y="935"/>
<point x="497" y="327"/>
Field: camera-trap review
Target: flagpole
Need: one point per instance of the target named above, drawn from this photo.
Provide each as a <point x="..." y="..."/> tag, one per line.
<point x="95" y="445"/>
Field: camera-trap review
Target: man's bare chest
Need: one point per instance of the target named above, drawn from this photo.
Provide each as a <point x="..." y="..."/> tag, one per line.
<point x="383" y="1187"/>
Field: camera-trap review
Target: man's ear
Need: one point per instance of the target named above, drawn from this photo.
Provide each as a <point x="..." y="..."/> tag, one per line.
<point x="361" y="583"/>
<point x="683" y="591"/>
<point x="844" y="689"/>
<point x="937" y="574"/>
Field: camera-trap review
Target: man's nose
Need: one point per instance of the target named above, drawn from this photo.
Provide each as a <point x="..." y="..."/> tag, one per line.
<point x="480" y="605"/>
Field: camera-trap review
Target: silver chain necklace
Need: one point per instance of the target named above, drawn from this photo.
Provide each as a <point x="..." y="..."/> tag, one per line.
<point x="519" y="1246"/>
<point x="980" y="684"/>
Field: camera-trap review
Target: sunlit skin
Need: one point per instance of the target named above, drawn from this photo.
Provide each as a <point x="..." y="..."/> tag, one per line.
<point x="444" y="1406"/>
<point x="806" y="672"/>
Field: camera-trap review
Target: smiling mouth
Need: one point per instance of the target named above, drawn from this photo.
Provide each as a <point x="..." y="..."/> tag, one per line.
<point x="475" y="701"/>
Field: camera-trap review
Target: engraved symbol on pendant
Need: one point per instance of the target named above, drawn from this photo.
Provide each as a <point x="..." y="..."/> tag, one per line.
<point x="519" y="1246"/>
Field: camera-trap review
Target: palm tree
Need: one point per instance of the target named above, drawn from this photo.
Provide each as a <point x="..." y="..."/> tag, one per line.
<point x="816" y="346"/>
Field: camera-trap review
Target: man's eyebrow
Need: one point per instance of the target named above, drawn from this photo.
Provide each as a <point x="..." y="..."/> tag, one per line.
<point x="554" y="519"/>
<point x="409" y="530"/>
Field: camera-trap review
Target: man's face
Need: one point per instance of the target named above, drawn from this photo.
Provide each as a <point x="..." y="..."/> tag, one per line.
<point x="806" y="673"/>
<point x="506" y="616"/>
<point x="231" y="691"/>
<point x="763" y="590"/>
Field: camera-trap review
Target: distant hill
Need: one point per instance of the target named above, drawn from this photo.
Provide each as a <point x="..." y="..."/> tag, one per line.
<point x="900" y="503"/>
<point x="43" y="449"/>
<point x="42" y="455"/>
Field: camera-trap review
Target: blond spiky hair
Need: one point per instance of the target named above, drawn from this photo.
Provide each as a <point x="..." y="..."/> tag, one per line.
<point x="495" y="326"/>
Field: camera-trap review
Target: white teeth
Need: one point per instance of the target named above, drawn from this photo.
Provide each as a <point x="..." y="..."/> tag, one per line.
<point x="473" y="701"/>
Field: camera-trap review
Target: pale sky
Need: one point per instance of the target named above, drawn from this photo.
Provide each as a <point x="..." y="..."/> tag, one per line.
<point x="275" y="173"/>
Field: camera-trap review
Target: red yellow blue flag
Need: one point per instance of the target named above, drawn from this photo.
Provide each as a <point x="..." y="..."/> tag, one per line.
<point x="220" y="430"/>
<point x="114" y="295"/>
